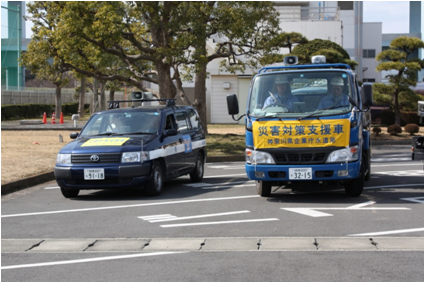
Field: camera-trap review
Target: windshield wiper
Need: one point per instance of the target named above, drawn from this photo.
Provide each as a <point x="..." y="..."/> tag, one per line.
<point x="321" y="110"/>
<point x="138" y="133"/>
<point x="108" y="134"/>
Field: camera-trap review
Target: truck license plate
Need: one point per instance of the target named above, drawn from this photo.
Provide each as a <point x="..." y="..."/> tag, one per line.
<point x="94" y="174"/>
<point x="300" y="174"/>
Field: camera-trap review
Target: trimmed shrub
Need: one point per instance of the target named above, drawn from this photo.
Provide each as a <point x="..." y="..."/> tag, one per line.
<point x="394" y="130"/>
<point x="31" y="111"/>
<point x="376" y="130"/>
<point x="409" y="117"/>
<point x="411" y="129"/>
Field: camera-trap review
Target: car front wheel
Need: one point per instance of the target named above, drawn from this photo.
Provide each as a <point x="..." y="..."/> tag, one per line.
<point x="198" y="172"/>
<point x="69" y="193"/>
<point x="154" y="187"/>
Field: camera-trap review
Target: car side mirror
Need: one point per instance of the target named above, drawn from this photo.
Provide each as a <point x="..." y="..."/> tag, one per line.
<point x="73" y="135"/>
<point x="367" y="95"/>
<point x="171" y="132"/>
<point x="232" y="104"/>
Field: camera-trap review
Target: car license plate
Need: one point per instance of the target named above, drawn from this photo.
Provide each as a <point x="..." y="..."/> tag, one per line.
<point x="300" y="174"/>
<point x="94" y="174"/>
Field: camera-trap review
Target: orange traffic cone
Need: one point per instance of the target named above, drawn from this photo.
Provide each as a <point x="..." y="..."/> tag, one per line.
<point x="53" y="118"/>
<point x="61" y="119"/>
<point x="44" y="118"/>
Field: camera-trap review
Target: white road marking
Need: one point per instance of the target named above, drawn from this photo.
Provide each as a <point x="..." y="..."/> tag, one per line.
<point x="402" y="173"/>
<point x="128" y="206"/>
<point x="220" y="176"/>
<point x="173" y="218"/>
<point x="218" y="222"/>
<point x="51" y="188"/>
<point x="88" y="260"/>
<point x="389" y="232"/>
<point x="392" y="186"/>
<point x="416" y="199"/>
<point x="313" y="211"/>
<point x="398" y="165"/>
<point x="390" y="159"/>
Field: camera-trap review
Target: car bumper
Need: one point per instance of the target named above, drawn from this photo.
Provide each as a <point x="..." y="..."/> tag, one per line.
<point x="320" y="172"/>
<point x="116" y="176"/>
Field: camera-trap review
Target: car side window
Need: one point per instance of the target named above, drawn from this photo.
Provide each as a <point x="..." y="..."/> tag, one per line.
<point x="194" y="119"/>
<point x="182" y="122"/>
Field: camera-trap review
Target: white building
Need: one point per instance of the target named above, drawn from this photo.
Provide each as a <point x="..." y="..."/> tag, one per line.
<point x="338" y="21"/>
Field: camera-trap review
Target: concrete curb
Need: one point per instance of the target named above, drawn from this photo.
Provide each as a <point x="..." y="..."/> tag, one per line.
<point x="27" y="182"/>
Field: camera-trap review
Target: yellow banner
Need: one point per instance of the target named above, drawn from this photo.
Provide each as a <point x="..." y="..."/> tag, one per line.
<point x="304" y="133"/>
<point x="106" y="142"/>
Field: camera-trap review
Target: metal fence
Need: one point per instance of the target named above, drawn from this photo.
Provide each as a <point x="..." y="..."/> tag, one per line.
<point x="47" y="97"/>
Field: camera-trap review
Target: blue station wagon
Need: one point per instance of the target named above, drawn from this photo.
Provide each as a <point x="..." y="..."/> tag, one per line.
<point x="136" y="147"/>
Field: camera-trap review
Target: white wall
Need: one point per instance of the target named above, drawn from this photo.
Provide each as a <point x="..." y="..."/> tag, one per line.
<point x="219" y="113"/>
<point x="372" y="39"/>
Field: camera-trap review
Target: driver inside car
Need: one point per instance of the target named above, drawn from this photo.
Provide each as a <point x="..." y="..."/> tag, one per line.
<point x="283" y="96"/>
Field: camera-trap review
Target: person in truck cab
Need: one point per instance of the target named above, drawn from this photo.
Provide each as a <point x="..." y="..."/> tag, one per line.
<point x="336" y="96"/>
<point x="283" y="95"/>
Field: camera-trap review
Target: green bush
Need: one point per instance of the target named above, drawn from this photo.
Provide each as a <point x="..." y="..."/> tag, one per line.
<point x="31" y="111"/>
<point x="394" y="130"/>
<point x="411" y="129"/>
<point x="409" y="117"/>
<point x="376" y="130"/>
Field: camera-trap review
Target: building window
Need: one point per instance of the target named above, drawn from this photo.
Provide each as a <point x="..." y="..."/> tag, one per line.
<point x="368" y="80"/>
<point x="346" y="5"/>
<point x="369" y="53"/>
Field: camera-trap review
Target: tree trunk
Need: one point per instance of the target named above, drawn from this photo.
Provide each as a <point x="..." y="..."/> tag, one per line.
<point x="58" y="101"/>
<point x="166" y="87"/>
<point x="397" y="109"/>
<point x="200" y="94"/>
<point x="96" y="101"/>
<point x="102" y="97"/>
<point x="111" y="94"/>
<point x="82" y="97"/>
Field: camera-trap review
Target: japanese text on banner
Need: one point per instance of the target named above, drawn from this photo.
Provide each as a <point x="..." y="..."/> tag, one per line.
<point x="308" y="133"/>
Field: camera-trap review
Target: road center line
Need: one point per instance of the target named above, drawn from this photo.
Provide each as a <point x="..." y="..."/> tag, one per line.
<point x="127" y="206"/>
<point x="87" y="260"/>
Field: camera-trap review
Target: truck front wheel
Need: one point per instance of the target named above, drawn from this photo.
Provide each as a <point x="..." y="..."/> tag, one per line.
<point x="264" y="188"/>
<point x="355" y="187"/>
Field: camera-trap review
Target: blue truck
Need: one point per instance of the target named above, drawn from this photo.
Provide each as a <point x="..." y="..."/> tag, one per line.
<point x="307" y="127"/>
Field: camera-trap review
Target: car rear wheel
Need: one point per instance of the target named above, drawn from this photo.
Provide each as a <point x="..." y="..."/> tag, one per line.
<point x="69" y="193"/>
<point x="198" y="172"/>
<point x="154" y="187"/>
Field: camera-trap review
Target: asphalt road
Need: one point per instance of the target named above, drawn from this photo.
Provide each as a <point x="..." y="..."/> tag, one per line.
<point x="221" y="230"/>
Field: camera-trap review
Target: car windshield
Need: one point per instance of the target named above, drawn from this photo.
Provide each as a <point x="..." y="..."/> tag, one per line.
<point x="301" y="94"/>
<point x="122" y="123"/>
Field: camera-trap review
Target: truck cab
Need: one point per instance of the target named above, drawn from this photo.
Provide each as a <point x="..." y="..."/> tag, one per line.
<point x="307" y="128"/>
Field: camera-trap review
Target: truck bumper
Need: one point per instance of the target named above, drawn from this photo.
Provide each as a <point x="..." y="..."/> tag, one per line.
<point x="320" y="172"/>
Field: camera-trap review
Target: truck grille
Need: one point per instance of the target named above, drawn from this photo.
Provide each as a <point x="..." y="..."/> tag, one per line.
<point x="103" y="158"/>
<point x="300" y="158"/>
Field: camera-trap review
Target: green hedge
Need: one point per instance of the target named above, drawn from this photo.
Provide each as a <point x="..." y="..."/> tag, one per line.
<point x="388" y="117"/>
<point x="31" y="111"/>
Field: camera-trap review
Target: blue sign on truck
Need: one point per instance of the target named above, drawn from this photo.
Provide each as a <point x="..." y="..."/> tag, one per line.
<point x="307" y="127"/>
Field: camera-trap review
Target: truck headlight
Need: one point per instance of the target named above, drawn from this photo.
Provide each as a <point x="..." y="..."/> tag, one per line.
<point x="258" y="157"/>
<point x="63" y="158"/>
<point x="343" y="155"/>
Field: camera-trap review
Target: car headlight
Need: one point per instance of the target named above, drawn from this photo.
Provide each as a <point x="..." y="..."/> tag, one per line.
<point x="137" y="156"/>
<point x="350" y="153"/>
<point x="258" y="157"/>
<point x="63" y="158"/>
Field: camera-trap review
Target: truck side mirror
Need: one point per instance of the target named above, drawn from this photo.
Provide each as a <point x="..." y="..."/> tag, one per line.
<point x="367" y="95"/>
<point x="73" y="135"/>
<point x="232" y="104"/>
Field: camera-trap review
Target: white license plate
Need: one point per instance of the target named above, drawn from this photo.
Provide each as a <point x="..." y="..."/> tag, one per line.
<point x="94" y="174"/>
<point x="300" y="174"/>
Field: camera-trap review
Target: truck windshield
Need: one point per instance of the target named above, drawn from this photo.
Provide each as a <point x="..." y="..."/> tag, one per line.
<point x="300" y="94"/>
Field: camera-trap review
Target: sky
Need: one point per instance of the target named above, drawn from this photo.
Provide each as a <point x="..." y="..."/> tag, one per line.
<point x="394" y="15"/>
